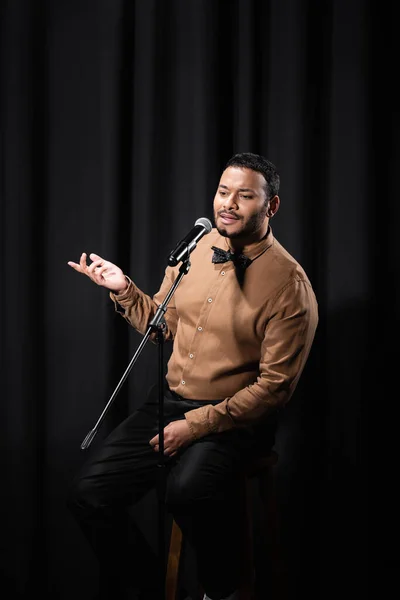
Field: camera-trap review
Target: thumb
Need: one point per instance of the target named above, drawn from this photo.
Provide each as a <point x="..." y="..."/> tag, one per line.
<point x="94" y="257"/>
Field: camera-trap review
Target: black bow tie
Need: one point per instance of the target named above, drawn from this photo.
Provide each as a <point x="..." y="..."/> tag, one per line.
<point x="221" y="256"/>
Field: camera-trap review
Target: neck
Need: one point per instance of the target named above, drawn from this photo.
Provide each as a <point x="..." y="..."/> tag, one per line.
<point x="238" y="243"/>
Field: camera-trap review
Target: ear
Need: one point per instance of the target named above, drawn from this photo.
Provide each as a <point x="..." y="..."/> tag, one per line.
<point x="273" y="206"/>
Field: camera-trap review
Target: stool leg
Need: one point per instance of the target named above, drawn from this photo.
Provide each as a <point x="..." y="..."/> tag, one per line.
<point x="174" y="555"/>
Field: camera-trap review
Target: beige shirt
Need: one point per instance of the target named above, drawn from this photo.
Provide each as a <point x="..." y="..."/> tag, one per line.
<point x="245" y="342"/>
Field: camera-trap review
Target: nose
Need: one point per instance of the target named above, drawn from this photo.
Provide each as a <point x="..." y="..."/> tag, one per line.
<point x="230" y="202"/>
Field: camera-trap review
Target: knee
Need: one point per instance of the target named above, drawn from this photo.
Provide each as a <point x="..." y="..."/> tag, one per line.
<point x="182" y="493"/>
<point x="81" y="496"/>
<point x="174" y="495"/>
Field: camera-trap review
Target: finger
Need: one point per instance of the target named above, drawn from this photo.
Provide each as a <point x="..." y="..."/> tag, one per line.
<point x="93" y="256"/>
<point x="96" y="270"/>
<point x="82" y="262"/>
<point x="102" y="271"/>
<point x="154" y="441"/>
<point x="75" y="266"/>
<point x="95" y="265"/>
<point x="170" y="452"/>
<point x="169" y="448"/>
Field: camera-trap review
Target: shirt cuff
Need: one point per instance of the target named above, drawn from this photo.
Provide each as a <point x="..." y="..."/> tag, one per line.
<point x="126" y="295"/>
<point x="205" y="420"/>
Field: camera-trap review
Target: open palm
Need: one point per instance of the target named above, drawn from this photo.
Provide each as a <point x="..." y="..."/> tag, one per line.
<point x="102" y="272"/>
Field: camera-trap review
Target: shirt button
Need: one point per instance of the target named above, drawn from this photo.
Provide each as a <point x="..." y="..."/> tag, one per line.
<point x="183" y="382"/>
<point x="209" y="300"/>
<point x="191" y="355"/>
<point x="199" y="329"/>
<point x="222" y="272"/>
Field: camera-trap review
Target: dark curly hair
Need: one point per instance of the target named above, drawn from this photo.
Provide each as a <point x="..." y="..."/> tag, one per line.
<point x="256" y="162"/>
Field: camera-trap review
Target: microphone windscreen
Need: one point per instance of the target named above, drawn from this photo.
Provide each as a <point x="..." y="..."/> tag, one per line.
<point x="204" y="222"/>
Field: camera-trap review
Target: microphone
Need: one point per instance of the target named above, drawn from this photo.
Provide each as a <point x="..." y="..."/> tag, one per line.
<point x="184" y="248"/>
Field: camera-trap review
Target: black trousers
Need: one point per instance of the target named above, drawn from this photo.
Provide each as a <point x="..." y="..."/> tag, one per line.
<point x="202" y="491"/>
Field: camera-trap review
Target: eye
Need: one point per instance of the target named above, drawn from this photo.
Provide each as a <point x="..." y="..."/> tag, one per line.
<point x="246" y="196"/>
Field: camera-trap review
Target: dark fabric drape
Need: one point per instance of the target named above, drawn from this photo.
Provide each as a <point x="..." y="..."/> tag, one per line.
<point x="116" y="119"/>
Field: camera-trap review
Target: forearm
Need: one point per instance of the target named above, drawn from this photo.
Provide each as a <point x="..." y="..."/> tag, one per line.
<point x="245" y="408"/>
<point x="138" y="309"/>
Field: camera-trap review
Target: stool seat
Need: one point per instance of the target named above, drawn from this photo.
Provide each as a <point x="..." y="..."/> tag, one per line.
<point x="260" y="468"/>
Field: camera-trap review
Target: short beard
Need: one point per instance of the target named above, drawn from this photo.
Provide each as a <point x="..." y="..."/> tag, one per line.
<point x="252" y="226"/>
<point x="231" y="236"/>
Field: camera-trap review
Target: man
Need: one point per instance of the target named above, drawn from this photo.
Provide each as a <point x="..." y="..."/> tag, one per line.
<point x="242" y="326"/>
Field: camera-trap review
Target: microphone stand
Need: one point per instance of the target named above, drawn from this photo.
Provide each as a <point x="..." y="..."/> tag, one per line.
<point x="157" y="324"/>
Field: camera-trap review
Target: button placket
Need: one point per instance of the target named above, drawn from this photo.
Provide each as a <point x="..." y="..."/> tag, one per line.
<point x="203" y="315"/>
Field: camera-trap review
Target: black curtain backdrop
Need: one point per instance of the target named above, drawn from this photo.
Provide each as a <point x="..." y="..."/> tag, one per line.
<point x="117" y="118"/>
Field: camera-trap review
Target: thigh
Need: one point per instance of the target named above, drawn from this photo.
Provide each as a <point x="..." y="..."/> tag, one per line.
<point x="209" y="467"/>
<point x="124" y="466"/>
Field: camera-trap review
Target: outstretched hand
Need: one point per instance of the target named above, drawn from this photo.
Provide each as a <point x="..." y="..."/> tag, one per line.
<point x="102" y="272"/>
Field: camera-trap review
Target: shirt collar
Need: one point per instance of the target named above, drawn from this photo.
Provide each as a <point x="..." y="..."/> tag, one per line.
<point x="253" y="251"/>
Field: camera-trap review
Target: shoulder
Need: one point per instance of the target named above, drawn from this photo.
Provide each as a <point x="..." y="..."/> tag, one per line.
<point x="282" y="261"/>
<point x="281" y="275"/>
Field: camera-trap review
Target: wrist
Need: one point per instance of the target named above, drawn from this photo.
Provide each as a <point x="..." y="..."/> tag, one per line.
<point x="123" y="290"/>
